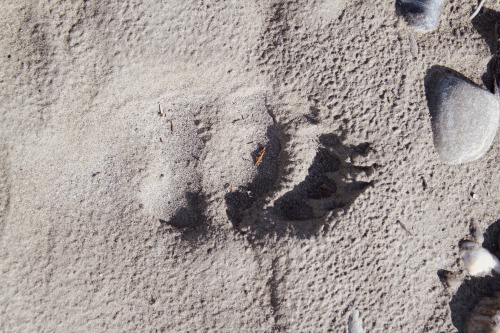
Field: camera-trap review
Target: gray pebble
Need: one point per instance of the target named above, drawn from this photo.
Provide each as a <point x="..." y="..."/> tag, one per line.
<point x="464" y="119"/>
<point x="422" y="15"/>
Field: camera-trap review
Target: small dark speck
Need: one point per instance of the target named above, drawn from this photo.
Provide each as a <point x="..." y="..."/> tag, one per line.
<point x="424" y="184"/>
<point x="9" y="56"/>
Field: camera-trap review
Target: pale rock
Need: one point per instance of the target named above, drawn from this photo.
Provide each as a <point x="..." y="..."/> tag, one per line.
<point x="464" y="119"/>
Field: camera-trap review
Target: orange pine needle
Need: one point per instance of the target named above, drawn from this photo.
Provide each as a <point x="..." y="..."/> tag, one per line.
<point x="261" y="155"/>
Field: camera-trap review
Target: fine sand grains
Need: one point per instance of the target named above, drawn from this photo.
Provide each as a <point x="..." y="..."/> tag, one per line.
<point x="118" y="216"/>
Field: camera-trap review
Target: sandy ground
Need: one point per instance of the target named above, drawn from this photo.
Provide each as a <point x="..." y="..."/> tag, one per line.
<point x="129" y="196"/>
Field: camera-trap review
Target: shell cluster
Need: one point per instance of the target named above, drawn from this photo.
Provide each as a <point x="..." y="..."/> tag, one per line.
<point x="478" y="261"/>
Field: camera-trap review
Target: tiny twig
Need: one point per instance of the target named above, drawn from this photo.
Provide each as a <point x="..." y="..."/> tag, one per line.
<point x="404" y="228"/>
<point x="478" y="9"/>
<point x="325" y="187"/>
<point x="160" y="110"/>
<point x="261" y="155"/>
<point x="171" y="126"/>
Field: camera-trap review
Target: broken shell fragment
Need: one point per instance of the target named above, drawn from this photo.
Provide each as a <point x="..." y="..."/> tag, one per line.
<point x="354" y="323"/>
<point x="485" y="317"/>
<point x="464" y="119"/>
<point x="477" y="260"/>
<point x="422" y="15"/>
<point x="450" y="280"/>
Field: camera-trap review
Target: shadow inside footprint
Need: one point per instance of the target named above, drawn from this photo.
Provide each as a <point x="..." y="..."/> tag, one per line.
<point x="474" y="289"/>
<point x="329" y="184"/>
<point x="317" y="185"/>
<point x="189" y="216"/>
<point x="237" y="203"/>
<point x="240" y="200"/>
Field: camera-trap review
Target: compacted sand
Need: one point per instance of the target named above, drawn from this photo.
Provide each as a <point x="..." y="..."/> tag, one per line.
<point x="130" y="196"/>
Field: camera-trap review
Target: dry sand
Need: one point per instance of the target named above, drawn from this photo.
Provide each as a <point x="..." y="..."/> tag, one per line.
<point x="114" y="217"/>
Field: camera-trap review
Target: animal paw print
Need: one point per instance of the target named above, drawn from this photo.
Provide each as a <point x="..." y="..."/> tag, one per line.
<point x="330" y="184"/>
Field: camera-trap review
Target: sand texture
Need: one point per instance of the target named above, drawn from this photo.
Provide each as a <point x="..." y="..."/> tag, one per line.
<point x="130" y="196"/>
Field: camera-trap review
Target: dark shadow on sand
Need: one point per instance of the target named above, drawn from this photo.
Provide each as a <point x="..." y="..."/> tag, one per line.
<point x="484" y="23"/>
<point x="189" y="220"/>
<point x="240" y="201"/>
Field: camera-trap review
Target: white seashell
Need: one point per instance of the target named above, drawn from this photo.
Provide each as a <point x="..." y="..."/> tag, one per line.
<point x="354" y="323"/>
<point x="422" y="15"/>
<point x="478" y="9"/>
<point x="485" y="317"/>
<point x="477" y="260"/>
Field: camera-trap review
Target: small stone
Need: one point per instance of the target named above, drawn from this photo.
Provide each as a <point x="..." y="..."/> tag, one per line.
<point x="464" y="119"/>
<point x="422" y="15"/>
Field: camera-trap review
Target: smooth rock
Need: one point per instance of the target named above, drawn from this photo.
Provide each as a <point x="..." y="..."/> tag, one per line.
<point x="422" y="15"/>
<point x="464" y="119"/>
